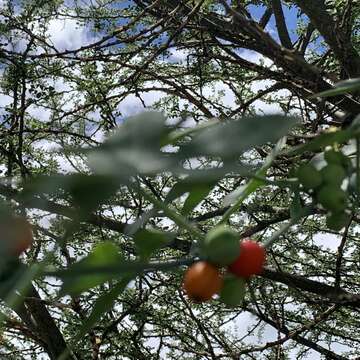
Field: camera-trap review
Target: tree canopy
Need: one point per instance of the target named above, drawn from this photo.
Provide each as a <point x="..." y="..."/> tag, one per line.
<point x="132" y="130"/>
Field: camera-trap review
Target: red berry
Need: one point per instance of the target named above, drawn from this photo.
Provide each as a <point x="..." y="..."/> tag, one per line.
<point x="250" y="261"/>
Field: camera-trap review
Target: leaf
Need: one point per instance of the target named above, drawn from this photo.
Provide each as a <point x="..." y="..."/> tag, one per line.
<point x="86" y="191"/>
<point x="242" y="192"/>
<point x="134" y="148"/>
<point x="230" y="139"/>
<point x="51" y="185"/>
<point x="78" y="277"/>
<point x="148" y="241"/>
<point x="342" y="87"/>
<point x="177" y="135"/>
<point x="197" y="188"/>
<point x="102" y="305"/>
<point x="323" y="140"/>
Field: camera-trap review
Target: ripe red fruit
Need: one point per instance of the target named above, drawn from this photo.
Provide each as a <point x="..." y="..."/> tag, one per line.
<point x="16" y="235"/>
<point x="201" y="281"/>
<point x="250" y="261"/>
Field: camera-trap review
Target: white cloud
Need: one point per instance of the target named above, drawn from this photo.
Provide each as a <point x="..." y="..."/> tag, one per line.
<point x="326" y="240"/>
<point x="132" y="105"/>
<point x="67" y="34"/>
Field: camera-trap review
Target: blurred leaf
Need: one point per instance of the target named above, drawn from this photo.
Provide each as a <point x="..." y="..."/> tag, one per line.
<point x="148" y="241"/>
<point x="87" y="191"/>
<point x="342" y="87"/>
<point x="102" y="305"/>
<point x="323" y="140"/>
<point x="230" y="139"/>
<point x="242" y="192"/>
<point x="177" y="135"/>
<point x="78" y="278"/>
<point x="197" y="188"/>
<point x="51" y="185"/>
<point x="134" y="148"/>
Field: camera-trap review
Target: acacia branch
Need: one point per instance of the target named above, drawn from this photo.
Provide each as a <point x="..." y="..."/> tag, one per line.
<point x="281" y="24"/>
<point x="336" y="38"/>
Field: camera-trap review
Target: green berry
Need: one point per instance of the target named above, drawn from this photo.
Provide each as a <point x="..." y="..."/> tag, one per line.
<point x="333" y="174"/>
<point x="337" y="221"/>
<point x="221" y="245"/>
<point x="332" y="198"/>
<point x="308" y="176"/>
<point x="233" y="291"/>
<point x="334" y="157"/>
<point x="337" y="157"/>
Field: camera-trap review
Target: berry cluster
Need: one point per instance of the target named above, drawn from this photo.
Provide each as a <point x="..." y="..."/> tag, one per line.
<point x="327" y="186"/>
<point x="222" y="248"/>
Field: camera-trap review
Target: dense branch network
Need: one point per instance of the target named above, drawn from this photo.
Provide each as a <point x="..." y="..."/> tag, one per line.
<point x="63" y="97"/>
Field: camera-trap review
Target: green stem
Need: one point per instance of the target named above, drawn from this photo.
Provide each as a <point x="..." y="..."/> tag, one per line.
<point x="256" y="181"/>
<point x="171" y="214"/>
<point x="133" y="267"/>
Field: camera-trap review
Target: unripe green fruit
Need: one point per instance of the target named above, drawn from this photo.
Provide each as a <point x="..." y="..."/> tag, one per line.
<point x="337" y="221"/>
<point x="333" y="174"/>
<point x="308" y="176"/>
<point x="335" y="157"/>
<point x="332" y="198"/>
<point x="233" y="291"/>
<point x="221" y="245"/>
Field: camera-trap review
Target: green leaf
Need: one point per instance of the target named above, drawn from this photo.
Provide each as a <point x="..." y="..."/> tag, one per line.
<point x="77" y="278"/>
<point x="102" y="305"/>
<point x="238" y="196"/>
<point x="177" y="135"/>
<point x="342" y="87"/>
<point x="323" y="140"/>
<point x="86" y="191"/>
<point x="148" y="241"/>
<point x="232" y="138"/>
<point x="134" y="148"/>
<point x="197" y="188"/>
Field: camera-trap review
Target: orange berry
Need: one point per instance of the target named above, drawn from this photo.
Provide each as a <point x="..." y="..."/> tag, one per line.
<point x="201" y="281"/>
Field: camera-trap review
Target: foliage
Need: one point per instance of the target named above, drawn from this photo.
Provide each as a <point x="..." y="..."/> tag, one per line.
<point x="131" y="130"/>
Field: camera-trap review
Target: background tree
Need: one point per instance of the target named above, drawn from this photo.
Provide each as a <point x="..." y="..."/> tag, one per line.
<point x="116" y="221"/>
